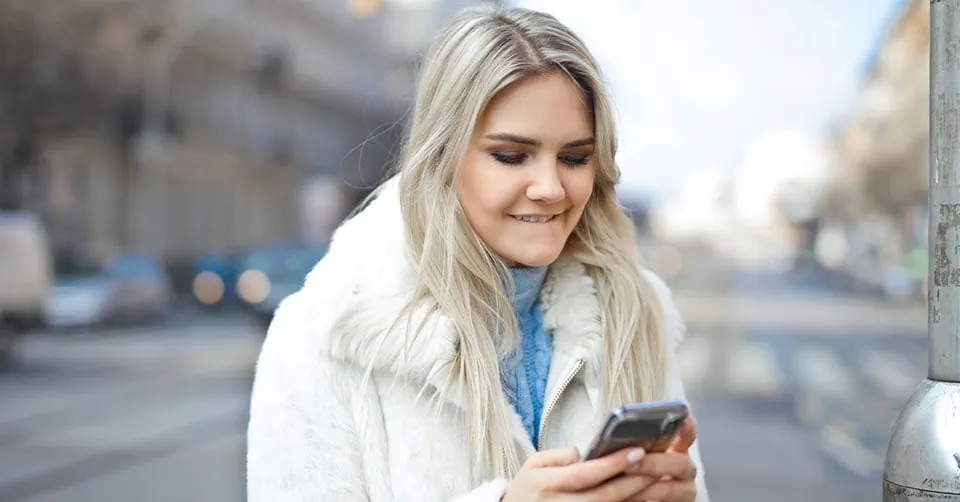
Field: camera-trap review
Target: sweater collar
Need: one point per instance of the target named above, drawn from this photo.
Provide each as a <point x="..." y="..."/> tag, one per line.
<point x="528" y="281"/>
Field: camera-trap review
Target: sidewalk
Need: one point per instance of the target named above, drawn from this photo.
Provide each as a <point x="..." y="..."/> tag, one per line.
<point x="803" y="313"/>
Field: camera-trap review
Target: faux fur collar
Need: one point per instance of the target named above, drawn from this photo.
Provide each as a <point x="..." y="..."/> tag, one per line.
<point x="365" y="281"/>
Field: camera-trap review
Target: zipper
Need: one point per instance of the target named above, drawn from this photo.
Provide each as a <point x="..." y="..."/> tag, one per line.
<point x="553" y="402"/>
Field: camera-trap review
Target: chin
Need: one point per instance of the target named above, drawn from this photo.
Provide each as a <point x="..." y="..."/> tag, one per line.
<point x="538" y="258"/>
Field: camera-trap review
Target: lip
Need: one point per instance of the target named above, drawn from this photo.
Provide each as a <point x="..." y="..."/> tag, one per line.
<point x="534" y="215"/>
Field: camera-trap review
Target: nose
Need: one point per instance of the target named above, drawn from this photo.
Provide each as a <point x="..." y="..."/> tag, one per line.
<point x="546" y="185"/>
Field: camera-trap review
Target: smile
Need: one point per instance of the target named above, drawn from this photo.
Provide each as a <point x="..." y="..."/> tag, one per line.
<point x="535" y="219"/>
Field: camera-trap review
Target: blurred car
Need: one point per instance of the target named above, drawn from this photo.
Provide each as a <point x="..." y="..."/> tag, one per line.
<point x="129" y="287"/>
<point x="272" y="273"/>
<point x="26" y="269"/>
<point x="215" y="278"/>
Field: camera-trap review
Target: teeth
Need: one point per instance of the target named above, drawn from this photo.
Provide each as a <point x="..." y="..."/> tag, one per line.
<point x="535" y="219"/>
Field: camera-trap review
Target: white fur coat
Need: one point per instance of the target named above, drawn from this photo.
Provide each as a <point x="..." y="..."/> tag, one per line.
<point x="315" y="434"/>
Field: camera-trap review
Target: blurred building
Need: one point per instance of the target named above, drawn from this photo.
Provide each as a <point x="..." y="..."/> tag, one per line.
<point x="197" y="123"/>
<point x="883" y="143"/>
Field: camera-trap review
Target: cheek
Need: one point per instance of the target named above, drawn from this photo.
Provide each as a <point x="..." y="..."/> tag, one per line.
<point x="469" y="190"/>
<point x="481" y="209"/>
<point x="486" y="192"/>
<point x="480" y="200"/>
<point x="579" y="187"/>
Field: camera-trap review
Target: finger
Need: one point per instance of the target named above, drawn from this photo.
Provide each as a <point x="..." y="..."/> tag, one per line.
<point x="668" y="491"/>
<point x="556" y="457"/>
<point x="586" y="475"/>
<point x="618" y="489"/>
<point x="685" y="436"/>
<point x="675" y="465"/>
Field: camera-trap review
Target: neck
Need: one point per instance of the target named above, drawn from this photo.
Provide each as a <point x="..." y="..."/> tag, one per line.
<point x="528" y="281"/>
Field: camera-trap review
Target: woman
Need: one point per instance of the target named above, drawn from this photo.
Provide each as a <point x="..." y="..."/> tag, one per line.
<point x="472" y="326"/>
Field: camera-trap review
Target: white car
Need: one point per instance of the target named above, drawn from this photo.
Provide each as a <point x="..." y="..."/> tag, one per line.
<point x="128" y="287"/>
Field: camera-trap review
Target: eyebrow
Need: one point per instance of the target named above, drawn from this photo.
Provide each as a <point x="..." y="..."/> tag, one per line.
<point x="512" y="138"/>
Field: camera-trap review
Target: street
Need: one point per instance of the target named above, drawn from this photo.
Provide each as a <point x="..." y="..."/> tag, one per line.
<point x="811" y="412"/>
<point x="796" y="384"/>
<point x="158" y="413"/>
<point x="146" y="415"/>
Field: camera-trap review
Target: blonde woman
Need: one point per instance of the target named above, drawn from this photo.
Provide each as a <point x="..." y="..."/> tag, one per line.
<point x="472" y="326"/>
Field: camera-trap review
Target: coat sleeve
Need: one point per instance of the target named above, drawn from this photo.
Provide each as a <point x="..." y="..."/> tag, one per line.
<point x="491" y="491"/>
<point x="676" y="332"/>
<point x="303" y="442"/>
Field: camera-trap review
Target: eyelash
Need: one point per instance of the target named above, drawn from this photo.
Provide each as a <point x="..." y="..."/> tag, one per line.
<point x="517" y="159"/>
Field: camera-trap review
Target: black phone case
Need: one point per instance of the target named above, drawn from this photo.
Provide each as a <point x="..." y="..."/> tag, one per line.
<point x="651" y="426"/>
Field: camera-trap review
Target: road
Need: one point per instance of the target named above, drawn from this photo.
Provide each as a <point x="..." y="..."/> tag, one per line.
<point x="798" y="381"/>
<point x="814" y="410"/>
<point x="136" y="415"/>
<point x="158" y="414"/>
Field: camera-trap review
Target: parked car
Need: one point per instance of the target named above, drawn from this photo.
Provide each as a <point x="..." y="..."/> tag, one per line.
<point x="128" y="287"/>
<point x="26" y="269"/>
<point x="272" y="273"/>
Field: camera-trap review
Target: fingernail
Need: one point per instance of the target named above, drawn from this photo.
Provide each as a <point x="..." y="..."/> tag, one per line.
<point x="635" y="455"/>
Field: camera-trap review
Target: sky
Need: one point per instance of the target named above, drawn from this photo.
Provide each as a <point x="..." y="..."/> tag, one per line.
<point x="696" y="81"/>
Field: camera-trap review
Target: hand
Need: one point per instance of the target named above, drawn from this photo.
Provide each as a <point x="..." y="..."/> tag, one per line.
<point x="559" y="475"/>
<point x="674" y="471"/>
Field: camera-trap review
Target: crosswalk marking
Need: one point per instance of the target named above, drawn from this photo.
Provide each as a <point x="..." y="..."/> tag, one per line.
<point x="753" y="369"/>
<point x="822" y="371"/>
<point x="849" y="393"/>
<point x="894" y="374"/>
<point x="849" y="452"/>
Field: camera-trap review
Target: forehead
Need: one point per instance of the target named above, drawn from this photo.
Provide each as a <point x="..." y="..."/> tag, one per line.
<point x="550" y="108"/>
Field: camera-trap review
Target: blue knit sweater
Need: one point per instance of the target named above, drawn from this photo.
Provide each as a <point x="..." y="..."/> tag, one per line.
<point x="524" y="372"/>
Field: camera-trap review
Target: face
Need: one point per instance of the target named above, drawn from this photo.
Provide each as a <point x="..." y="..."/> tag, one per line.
<point x="530" y="169"/>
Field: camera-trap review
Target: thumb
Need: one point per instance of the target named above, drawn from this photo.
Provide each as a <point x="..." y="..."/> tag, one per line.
<point x="685" y="436"/>
<point x="556" y="457"/>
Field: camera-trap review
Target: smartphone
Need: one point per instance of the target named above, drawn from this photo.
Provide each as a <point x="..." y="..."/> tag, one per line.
<point x="651" y="426"/>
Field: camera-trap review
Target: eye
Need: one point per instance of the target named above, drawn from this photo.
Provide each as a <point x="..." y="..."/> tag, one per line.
<point x="574" y="160"/>
<point x="510" y="158"/>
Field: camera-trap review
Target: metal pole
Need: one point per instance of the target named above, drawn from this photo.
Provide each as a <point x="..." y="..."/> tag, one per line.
<point x="923" y="459"/>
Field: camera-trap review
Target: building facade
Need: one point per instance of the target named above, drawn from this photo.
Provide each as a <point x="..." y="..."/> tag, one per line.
<point x="220" y="112"/>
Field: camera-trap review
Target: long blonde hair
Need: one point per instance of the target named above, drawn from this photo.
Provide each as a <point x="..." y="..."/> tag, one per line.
<point x="481" y="52"/>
